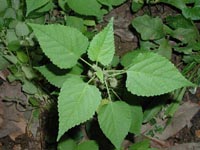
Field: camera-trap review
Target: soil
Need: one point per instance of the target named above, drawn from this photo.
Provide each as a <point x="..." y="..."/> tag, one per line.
<point x="38" y="138"/>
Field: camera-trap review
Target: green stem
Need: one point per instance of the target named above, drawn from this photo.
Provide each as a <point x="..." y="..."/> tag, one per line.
<point x="86" y="62"/>
<point x="107" y="88"/>
<point x="91" y="80"/>
<point x="116" y="74"/>
<point x="116" y="94"/>
<point x="110" y="71"/>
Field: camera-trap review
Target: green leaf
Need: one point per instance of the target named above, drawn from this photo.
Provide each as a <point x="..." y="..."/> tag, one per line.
<point x="57" y="76"/>
<point x="186" y="35"/>
<point x="76" y="22"/>
<point x="149" y="28"/>
<point x="11" y="36"/>
<point x="46" y="7"/>
<point x="126" y="59"/>
<point x="115" y="120"/>
<point x="115" y="61"/>
<point x="136" y="5"/>
<point x="87" y="145"/>
<point x="10" y="13"/>
<point x="99" y="73"/>
<point x="152" y="74"/>
<point x="102" y="47"/>
<point x="4" y="63"/>
<point x="143" y="145"/>
<point x="152" y="110"/>
<point x="77" y="102"/>
<point x="15" y="4"/>
<point x="111" y="2"/>
<point x="164" y="48"/>
<point x="4" y="5"/>
<point x="192" y="13"/>
<point x="21" y="29"/>
<point x="62" y="4"/>
<point x="32" y="5"/>
<point x="14" y="45"/>
<point x="86" y="7"/>
<point x="22" y="56"/>
<point x="178" y="21"/>
<point x="176" y="3"/>
<point x="28" y="71"/>
<point x="34" y="101"/>
<point x="67" y="145"/>
<point x="63" y="45"/>
<point x="29" y="87"/>
<point x="137" y="119"/>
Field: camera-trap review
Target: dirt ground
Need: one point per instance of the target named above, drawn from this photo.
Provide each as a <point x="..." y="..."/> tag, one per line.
<point x="20" y="131"/>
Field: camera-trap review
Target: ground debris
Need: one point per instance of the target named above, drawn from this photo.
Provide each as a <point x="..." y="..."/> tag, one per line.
<point x="185" y="146"/>
<point x="181" y="119"/>
<point x="15" y="119"/>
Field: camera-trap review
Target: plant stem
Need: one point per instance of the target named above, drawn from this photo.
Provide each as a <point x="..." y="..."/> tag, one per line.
<point x="116" y="74"/>
<point x="29" y="59"/>
<point x="86" y="62"/>
<point x="91" y="80"/>
<point x="107" y="88"/>
<point x="114" y="71"/>
<point x="116" y="94"/>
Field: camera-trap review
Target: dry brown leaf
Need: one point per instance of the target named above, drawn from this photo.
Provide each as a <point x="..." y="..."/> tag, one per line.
<point x="12" y="121"/>
<point x="4" y="74"/>
<point x="197" y="133"/>
<point x="21" y="125"/>
<point x="181" y="119"/>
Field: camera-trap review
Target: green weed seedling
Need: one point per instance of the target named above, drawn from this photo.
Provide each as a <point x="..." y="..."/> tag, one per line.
<point x="83" y="95"/>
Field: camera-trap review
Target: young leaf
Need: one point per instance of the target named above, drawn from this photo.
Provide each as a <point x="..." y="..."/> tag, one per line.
<point x="149" y="28"/>
<point x="21" y="29"/>
<point x="136" y="5"/>
<point x="67" y="145"/>
<point x="192" y="13"/>
<point x="86" y="7"/>
<point x="152" y="74"/>
<point x="88" y="145"/>
<point x="137" y="119"/>
<point x="77" y="102"/>
<point x="102" y="47"/>
<point x="32" y="5"/>
<point x="143" y="145"/>
<point x="63" y="45"/>
<point x="115" y="120"/>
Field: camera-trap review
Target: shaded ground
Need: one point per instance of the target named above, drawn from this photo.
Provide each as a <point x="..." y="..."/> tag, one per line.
<point x="19" y="130"/>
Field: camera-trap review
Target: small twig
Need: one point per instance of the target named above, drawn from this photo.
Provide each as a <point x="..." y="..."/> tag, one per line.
<point x="83" y="130"/>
